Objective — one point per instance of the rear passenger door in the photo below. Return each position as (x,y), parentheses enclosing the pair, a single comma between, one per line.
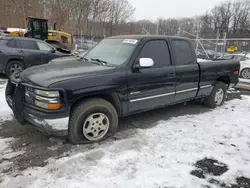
(186,70)
(152,87)
(31,53)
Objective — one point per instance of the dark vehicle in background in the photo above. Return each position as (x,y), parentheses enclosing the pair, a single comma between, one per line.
(84,97)
(18,53)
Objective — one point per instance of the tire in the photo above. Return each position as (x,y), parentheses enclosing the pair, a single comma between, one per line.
(14,66)
(245,73)
(88,117)
(217,97)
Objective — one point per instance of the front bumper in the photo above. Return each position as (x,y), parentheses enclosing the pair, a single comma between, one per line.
(52,123)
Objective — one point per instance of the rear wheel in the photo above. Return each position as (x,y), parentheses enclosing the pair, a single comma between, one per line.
(13,67)
(92,121)
(245,73)
(217,97)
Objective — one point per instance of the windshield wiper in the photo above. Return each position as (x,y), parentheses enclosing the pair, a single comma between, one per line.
(100,61)
(82,58)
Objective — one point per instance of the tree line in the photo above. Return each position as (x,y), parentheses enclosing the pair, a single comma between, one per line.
(87,17)
(112,17)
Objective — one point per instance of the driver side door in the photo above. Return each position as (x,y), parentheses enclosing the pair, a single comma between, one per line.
(153,87)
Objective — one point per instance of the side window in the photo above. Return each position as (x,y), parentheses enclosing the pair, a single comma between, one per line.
(37,25)
(158,51)
(183,52)
(64,39)
(29,44)
(43,47)
(244,59)
(12,44)
(239,58)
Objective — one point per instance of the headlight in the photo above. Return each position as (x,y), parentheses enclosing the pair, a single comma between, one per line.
(49,100)
(47,93)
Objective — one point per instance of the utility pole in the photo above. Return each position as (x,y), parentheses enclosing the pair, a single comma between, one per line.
(217,41)
(225,42)
(179,31)
(197,40)
(157,28)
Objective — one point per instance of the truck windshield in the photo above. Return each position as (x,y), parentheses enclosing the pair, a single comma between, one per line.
(113,51)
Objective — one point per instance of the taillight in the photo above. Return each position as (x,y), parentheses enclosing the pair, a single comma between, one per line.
(236,73)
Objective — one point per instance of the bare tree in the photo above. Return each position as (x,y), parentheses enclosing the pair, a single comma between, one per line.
(120,11)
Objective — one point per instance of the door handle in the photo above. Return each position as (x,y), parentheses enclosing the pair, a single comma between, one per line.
(170,75)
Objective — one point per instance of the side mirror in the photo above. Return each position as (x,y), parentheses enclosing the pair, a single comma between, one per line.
(53,50)
(146,62)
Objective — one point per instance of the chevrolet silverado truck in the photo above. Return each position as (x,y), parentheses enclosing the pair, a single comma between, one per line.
(83,97)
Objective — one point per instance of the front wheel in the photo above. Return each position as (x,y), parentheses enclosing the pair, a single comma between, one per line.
(245,73)
(217,97)
(92,121)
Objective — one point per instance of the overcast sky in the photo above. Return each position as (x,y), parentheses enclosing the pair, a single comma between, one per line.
(153,9)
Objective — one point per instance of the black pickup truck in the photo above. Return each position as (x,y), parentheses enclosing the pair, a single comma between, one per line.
(82,97)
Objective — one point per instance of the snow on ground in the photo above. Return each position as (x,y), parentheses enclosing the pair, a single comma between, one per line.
(201,60)
(162,156)
(5,112)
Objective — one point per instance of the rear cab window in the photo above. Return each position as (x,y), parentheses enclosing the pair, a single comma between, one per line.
(29,44)
(183,52)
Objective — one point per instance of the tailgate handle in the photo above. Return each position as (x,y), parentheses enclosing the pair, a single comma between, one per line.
(21,51)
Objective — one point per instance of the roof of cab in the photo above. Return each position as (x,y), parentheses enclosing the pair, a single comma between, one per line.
(139,37)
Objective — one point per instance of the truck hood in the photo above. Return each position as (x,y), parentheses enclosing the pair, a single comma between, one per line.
(62,69)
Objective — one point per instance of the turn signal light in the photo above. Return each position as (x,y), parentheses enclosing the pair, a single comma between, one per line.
(54,106)
(47,105)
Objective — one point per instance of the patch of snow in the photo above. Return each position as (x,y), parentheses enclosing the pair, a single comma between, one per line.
(5,149)
(5,111)
(162,156)
(233,91)
(4,145)
(202,60)
(12,155)
(5,166)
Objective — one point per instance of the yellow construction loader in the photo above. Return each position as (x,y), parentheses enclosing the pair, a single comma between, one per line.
(38,28)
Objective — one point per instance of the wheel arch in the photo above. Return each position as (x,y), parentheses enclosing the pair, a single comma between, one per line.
(14,59)
(225,78)
(113,98)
